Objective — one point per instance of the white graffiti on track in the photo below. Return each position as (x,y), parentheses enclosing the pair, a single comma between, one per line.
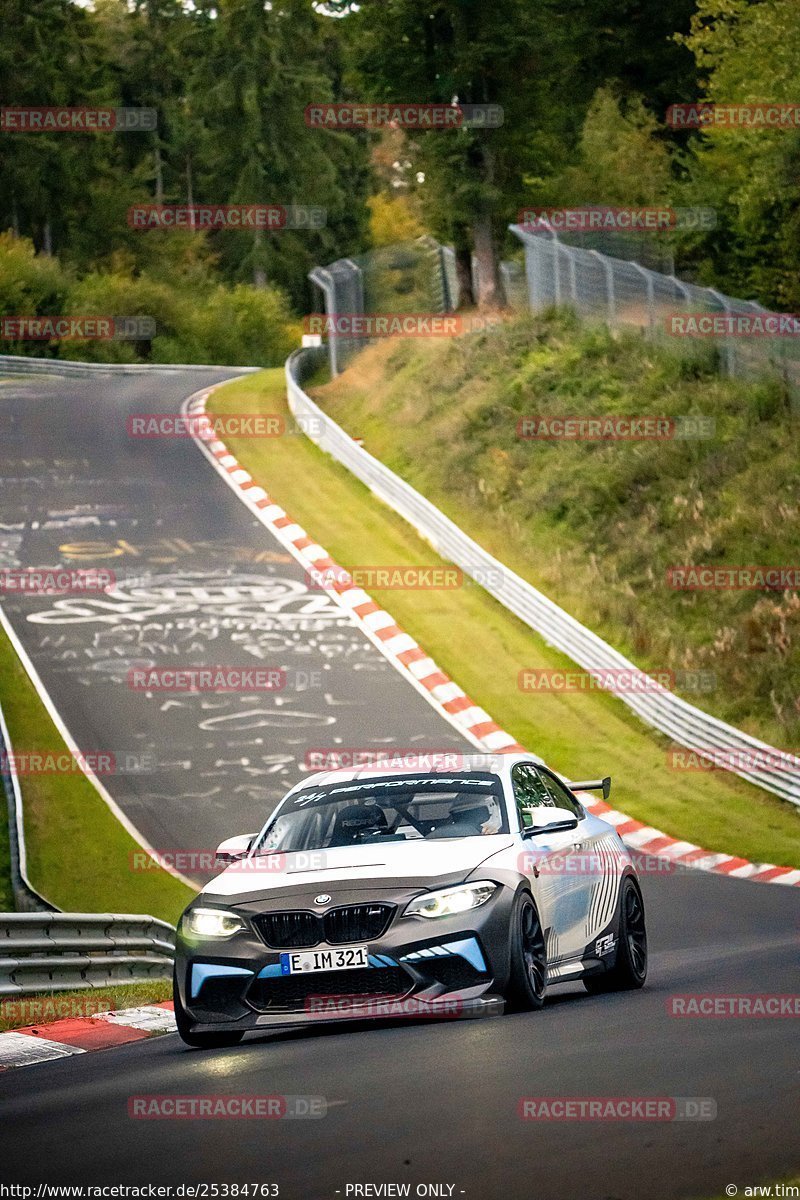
(264,718)
(263,602)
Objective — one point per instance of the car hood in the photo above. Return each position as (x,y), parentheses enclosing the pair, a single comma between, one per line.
(395,861)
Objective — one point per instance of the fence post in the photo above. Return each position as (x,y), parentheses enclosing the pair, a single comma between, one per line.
(359,283)
(729,356)
(651,305)
(322,277)
(608,270)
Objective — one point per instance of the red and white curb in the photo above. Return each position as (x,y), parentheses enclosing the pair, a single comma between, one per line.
(404,652)
(77,1035)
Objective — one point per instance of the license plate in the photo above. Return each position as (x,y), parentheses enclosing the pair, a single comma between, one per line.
(306,961)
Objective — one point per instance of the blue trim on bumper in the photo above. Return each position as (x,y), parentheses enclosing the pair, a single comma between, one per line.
(203,971)
(466,948)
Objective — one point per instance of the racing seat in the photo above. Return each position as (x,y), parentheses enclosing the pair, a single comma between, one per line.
(355,820)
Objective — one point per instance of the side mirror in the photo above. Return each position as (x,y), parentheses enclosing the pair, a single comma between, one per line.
(548,820)
(234,848)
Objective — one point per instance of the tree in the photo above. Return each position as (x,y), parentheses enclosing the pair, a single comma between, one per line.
(438,51)
(263,67)
(749,52)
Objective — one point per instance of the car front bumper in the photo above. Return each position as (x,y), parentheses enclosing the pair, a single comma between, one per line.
(449,967)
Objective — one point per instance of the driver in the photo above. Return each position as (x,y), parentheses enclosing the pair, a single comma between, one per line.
(494,820)
(482,812)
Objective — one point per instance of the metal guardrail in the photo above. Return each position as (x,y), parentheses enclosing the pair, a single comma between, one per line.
(686,725)
(56,952)
(42,949)
(11,364)
(26,897)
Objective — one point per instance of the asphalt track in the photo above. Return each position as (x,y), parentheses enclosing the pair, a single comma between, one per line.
(408,1103)
(199,582)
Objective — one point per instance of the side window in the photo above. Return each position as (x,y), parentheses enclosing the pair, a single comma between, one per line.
(562,797)
(529,791)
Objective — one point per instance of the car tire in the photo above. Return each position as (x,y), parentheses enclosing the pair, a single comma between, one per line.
(630,966)
(528,976)
(201,1041)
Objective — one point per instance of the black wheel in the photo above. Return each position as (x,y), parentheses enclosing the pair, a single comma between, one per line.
(528,979)
(202,1041)
(630,967)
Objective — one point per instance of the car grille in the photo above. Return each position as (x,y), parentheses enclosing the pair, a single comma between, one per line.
(357,922)
(299,930)
(292,992)
(290,930)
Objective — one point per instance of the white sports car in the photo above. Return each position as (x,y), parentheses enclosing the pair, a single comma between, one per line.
(436,892)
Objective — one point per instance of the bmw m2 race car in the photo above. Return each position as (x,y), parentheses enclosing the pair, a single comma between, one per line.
(436,892)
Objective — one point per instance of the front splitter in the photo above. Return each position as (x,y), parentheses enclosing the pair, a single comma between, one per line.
(441,1010)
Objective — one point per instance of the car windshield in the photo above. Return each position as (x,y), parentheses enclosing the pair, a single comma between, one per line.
(367,811)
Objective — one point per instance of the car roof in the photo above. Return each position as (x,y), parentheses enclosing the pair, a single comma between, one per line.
(434,762)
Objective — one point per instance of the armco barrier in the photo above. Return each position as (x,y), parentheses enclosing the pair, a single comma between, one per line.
(11,364)
(56,952)
(685,724)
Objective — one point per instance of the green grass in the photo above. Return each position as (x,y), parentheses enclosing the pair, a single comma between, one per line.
(45,1007)
(483,647)
(78,853)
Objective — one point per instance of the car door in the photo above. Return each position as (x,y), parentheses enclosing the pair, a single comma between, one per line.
(565,877)
(602,860)
(596,857)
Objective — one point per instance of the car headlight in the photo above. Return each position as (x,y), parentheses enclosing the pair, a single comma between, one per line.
(212,923)
(448,901)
